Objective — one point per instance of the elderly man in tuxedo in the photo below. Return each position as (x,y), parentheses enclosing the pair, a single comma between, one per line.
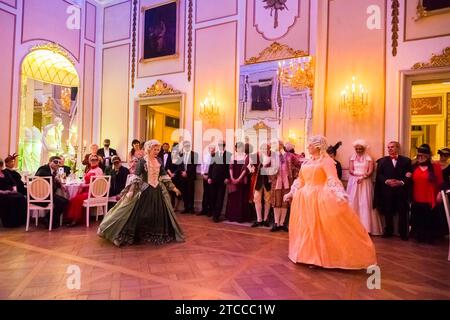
(392,190)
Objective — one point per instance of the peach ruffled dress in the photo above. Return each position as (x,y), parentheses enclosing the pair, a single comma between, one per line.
(323,229)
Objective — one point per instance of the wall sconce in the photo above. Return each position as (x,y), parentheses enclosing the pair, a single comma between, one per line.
(354,99)
(209,109)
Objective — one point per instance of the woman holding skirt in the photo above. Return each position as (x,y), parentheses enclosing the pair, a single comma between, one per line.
(144,213)
(323,229)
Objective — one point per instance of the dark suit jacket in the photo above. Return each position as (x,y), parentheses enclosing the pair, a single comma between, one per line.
(219,168)
(45,171)
(168,165)
(384,195)
(191,166)
(101,152)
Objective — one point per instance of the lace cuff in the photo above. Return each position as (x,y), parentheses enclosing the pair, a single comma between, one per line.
(336,187)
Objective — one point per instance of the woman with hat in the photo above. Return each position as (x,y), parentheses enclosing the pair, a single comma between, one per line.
(426,185)
(10,163)
(332,152)
(444,161)
(75,207)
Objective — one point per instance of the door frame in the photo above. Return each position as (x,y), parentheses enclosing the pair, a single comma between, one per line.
(407,80)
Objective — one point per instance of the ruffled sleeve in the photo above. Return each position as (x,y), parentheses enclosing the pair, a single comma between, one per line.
(333,183)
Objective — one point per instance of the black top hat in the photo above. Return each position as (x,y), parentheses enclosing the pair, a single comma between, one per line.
(424,148)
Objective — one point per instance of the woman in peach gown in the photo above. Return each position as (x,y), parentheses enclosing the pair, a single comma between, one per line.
(323,229)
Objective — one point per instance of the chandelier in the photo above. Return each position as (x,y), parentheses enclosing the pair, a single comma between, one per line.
(354,99)
(297,73)
(209,109)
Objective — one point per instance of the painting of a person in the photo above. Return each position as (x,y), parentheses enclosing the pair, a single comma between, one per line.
(160,31)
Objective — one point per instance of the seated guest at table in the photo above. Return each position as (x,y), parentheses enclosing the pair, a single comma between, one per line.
(135,155)
(59,203)
(75,208)
(67,170)
(119,175)
(94,150)
(10,163)
(13,205)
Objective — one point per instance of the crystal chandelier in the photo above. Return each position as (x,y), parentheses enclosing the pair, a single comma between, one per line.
(354,99)
(209,109)
(297,73)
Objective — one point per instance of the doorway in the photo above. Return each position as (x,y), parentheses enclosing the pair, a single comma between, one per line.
(425,110)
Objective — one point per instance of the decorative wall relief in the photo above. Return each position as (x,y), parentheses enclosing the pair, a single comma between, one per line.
(282,15)
(426,106)
(394,24)
(436,61)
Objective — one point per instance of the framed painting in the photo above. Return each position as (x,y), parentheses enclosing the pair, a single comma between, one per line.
(160,31)
(427,8)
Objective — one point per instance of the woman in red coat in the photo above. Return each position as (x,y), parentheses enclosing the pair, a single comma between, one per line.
(75,207)
(427,182)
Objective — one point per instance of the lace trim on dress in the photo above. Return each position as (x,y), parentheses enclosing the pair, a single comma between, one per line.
(336,187)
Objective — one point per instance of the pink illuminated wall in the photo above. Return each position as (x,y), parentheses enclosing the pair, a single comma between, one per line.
(91,20)
(49,22)
(219,77)
(88,92)
(117,24)
(115,96)
(207,10)
(11,3)
(354,50)
(7,34)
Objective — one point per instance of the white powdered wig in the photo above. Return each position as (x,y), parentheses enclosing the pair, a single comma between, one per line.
(319,142)
(150,144)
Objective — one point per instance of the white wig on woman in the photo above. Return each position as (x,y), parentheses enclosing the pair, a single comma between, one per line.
(360,142)
(319,142)
(150,144)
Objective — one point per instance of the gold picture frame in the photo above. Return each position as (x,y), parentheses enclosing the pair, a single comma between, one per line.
(144,11)
(422,11)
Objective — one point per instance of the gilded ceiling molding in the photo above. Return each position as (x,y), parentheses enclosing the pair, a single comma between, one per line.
(190,15)
(54,47)
(276,51)
(436,61)
(159,88)
(394,25)
(133,47)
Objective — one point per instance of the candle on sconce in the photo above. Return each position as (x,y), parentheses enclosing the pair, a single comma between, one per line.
(84,144)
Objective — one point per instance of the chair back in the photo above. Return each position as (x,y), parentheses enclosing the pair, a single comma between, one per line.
(99,187)
(39,190)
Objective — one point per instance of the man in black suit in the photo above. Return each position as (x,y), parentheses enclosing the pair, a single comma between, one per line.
(106,153)
(218,178)
(187,173)
(119,175)
(392,190)
(59,203)
(166,158)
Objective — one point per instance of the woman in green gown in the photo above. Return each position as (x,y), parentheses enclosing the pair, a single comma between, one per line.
(144,212)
